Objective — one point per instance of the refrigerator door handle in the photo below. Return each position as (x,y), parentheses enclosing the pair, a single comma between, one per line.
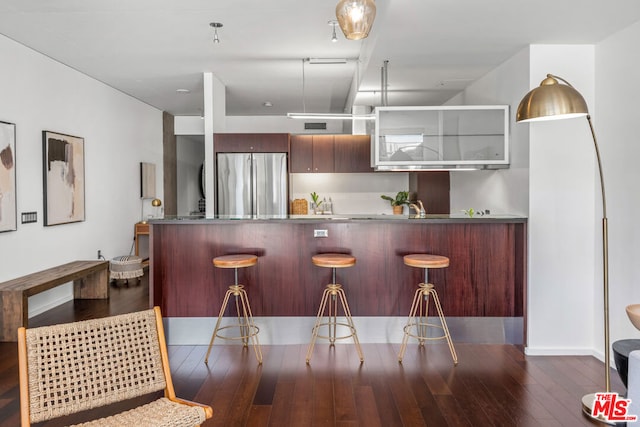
(255,206)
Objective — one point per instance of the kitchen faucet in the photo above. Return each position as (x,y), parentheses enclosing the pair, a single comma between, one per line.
(419,208)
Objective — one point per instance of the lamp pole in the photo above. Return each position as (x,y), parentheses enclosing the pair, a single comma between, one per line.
(552,100)
(605,260)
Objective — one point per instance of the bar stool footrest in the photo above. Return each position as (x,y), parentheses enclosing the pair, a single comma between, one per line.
(418,325)
(330,325)
(253,332)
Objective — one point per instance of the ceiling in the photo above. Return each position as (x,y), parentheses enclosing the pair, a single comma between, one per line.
(151,48)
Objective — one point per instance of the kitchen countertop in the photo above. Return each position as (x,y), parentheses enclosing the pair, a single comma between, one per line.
(433,218)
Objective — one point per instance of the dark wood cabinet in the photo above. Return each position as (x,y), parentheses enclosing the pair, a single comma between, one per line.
(433,189)
(330,153)
(352,153)
(486,277)
(323,155)
(301,153)
(251,142)
(312,153)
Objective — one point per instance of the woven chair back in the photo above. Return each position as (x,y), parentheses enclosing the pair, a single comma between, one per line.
(84,365)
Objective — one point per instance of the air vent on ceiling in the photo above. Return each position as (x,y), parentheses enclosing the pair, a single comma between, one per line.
(316,126)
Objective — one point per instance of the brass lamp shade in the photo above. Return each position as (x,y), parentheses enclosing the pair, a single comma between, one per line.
(156,202)
(551,100)
(355,17)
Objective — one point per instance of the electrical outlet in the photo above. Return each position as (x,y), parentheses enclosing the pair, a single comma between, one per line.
(99,254)
(320,233)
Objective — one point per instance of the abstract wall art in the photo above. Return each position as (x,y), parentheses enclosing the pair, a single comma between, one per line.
(63,172)
(8,209)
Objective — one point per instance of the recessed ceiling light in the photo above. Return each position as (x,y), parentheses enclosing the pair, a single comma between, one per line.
(183,91)
(267,104)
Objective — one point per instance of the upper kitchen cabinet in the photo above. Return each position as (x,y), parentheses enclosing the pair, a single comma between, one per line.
(352,153)
(251,142)
(330,153)
(446,137)
(312,153)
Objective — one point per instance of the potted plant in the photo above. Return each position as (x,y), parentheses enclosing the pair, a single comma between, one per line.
(401,199)
(315,203)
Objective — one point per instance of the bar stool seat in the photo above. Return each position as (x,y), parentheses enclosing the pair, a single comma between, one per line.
(417,325)
(248,329)
(332,293)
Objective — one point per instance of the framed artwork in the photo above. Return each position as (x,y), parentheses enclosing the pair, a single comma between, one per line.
(63,172)
(8,205)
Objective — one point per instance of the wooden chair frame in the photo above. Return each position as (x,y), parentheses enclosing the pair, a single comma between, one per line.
(43,392)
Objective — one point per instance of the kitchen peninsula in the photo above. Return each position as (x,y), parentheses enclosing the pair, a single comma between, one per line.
(486,277)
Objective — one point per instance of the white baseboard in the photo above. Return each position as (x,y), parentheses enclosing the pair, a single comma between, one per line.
(49,299)
(297,330)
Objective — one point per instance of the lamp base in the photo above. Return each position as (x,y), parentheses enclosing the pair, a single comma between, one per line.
(587,409)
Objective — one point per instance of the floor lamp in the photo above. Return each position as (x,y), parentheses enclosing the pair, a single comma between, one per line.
(551,101)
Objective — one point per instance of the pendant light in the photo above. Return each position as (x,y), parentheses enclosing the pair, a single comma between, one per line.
(334,37)
(215,26)
(356,17)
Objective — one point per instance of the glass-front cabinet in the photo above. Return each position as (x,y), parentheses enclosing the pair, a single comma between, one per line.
(445,137)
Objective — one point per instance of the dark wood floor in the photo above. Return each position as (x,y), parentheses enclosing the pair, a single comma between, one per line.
(493,385)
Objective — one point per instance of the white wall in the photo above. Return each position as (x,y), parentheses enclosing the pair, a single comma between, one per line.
(189,158)
(616,118)
(563,222)
(41,94)
(351,193)
(193,125)
(502,191)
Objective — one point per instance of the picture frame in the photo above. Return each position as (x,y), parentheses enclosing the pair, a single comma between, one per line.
(63,178)
(8,196)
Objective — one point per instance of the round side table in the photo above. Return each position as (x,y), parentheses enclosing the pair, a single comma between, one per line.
(621,350)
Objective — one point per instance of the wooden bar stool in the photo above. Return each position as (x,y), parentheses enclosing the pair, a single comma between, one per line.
(248,330)
(332,293)
(420,307)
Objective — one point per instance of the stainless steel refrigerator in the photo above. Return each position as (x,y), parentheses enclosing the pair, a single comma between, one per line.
(252,184)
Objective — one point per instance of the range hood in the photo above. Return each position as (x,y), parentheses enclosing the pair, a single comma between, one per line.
(441,138)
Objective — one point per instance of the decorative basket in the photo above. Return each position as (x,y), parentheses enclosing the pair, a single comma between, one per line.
(299,207)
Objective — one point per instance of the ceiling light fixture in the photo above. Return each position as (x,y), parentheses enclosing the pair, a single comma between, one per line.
(334,37)
(215,26)
(356,17)
(326,61)
(330,116)
(324,116)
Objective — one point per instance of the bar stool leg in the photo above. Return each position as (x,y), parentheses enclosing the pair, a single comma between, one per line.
(415,306)
(347,311)
(248,329)
(330,297)
(215,330)
(418,316)
(447,335)
(251,330)
(316,326)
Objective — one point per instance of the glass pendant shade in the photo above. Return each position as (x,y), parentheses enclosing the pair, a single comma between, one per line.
(550,101)
(355,17)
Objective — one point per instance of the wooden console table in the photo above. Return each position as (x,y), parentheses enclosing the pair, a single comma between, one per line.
(90,281)
(141,229)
